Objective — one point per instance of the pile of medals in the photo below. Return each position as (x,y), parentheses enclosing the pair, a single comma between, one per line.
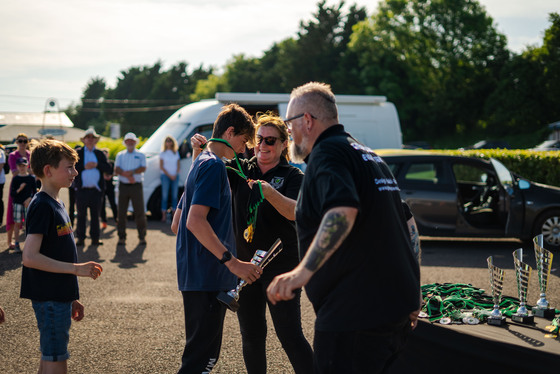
(459,303)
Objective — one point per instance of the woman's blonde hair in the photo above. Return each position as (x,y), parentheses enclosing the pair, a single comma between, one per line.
(268,119)
(175,146)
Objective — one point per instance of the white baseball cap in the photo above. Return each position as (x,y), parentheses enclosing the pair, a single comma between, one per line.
(130,136)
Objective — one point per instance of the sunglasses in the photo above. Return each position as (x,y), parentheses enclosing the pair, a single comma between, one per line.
(269,140)
(22,140)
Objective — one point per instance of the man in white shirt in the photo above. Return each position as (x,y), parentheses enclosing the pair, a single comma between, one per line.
(130,166)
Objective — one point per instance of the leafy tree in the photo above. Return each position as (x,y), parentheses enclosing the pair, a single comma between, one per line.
(88,114)
(525,100)
(436,59)
(142,99)
(319,52)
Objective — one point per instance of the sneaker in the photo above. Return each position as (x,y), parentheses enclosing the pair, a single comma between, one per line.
(17,248)
(97,242)
(122,242)
(142,242)
(11,247)
(103,225)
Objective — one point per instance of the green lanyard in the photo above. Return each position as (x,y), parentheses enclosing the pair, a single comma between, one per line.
(255,199)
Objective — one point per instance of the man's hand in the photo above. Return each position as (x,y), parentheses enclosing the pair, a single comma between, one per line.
(247,271)
(414,318)
(282,286)
(90,165)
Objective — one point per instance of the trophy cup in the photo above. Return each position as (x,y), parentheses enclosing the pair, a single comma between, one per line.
(544,265)
(496,283)
(261,259)
(522,274)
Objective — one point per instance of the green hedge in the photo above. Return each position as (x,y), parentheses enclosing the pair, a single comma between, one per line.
(542,167)
(113,145)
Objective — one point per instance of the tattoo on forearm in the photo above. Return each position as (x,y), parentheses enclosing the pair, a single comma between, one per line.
(332,231)
(415,238)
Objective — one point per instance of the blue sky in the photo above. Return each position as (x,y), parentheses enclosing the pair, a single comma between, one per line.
(53,48)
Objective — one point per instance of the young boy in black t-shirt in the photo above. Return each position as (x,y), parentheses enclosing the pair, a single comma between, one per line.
(50,268)
(22,189)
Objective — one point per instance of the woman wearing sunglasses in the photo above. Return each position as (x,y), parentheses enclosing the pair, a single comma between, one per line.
(22,142)
(275,219)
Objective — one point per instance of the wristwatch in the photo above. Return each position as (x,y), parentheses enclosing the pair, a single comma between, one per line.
(226,257)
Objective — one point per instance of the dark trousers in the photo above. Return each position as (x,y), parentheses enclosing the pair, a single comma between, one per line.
(109,195)
(364,351)
(88,198)
(131,192)
(286,316)
(1,203)
(71,203)
(204,325)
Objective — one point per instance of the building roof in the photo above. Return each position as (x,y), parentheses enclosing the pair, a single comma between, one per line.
(59,119)
(38,125)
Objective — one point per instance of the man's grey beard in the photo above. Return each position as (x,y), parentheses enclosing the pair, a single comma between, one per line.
(297,153)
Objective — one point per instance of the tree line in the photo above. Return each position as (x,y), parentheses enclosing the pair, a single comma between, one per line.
(442,62)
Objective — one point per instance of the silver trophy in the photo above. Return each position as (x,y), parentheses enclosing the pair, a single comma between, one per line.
(260,258)
(544,265)
(522,274)
(496,283)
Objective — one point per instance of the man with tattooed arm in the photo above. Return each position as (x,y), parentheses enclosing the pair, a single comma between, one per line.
(357,264)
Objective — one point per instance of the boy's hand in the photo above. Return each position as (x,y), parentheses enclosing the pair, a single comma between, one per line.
(89,269)
(77,310)
(247,271)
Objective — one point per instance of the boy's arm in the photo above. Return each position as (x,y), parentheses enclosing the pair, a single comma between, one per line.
(32,258)
(176,220)
(198,224)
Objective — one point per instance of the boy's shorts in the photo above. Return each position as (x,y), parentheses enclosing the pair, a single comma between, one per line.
(53,320)
(19,213)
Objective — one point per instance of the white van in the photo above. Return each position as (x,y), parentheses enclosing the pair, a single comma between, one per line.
(370,119)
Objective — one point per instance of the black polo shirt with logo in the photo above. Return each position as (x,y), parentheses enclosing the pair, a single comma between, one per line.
(372,279)
(271,225)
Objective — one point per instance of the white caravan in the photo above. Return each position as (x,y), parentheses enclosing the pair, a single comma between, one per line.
(370,119)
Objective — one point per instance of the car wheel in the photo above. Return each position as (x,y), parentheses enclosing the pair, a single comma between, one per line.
(548,224)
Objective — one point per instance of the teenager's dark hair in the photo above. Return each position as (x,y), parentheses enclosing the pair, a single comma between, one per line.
(50,152)
(234,115)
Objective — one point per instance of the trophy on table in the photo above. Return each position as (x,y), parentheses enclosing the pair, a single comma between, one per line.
(544,265)
(496,283)
(260,258)
(522,274)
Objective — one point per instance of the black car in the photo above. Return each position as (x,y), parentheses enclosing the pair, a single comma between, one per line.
(469,197)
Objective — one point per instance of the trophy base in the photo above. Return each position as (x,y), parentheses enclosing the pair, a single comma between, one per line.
(497,321)
(547,313)
(228,301)
(525,319)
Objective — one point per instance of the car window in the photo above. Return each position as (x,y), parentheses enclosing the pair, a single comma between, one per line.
(424,172)
(394,168)
(504,174)
(185,147)
(469,174)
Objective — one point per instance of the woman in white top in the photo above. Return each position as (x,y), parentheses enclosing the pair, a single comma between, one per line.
(169,166)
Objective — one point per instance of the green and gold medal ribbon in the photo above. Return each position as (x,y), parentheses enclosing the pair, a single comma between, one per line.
(255,198)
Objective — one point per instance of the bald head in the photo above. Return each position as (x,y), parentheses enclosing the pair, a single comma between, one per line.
(318,99)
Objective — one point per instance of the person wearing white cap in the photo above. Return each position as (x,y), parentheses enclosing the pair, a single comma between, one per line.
(90,187)
(130,166)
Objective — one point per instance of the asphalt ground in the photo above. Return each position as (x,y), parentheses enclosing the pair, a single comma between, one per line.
(134,315)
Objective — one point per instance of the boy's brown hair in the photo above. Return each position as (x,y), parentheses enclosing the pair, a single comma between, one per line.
(234,115)
(50,152)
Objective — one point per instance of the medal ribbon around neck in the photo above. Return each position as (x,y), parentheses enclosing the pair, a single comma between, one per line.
(256,196)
